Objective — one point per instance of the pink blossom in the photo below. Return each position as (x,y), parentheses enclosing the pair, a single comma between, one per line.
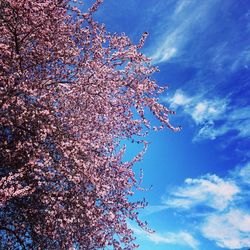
(68,95)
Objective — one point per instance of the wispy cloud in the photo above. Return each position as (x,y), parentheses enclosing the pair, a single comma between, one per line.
(209,190)
(201,110)
(192,25)
(244,173)
(230,229)
(153,209)
(227,222)
(174,238)
(214,117)
(190,37)
(187,16)
(236,119)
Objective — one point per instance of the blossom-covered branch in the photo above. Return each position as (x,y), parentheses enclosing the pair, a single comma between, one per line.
(70,92)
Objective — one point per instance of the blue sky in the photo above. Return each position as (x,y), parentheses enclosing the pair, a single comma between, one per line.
(201,176)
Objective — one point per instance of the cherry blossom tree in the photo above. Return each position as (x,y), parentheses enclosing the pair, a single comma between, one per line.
(70,94)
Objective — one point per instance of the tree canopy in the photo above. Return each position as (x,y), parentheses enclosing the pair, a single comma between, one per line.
(70,93)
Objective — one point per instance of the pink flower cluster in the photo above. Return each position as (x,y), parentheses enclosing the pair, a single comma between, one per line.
(70,93)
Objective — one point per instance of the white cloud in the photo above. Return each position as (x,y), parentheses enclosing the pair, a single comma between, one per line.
(174,39)
(228,222)
(230,230)
(187,27)
(179,99)
(167,49)
(166,52)
(153,209)
(214,117)
(242,173)
(180,6)
(230,122)
(178,238)
(207,110)
(209,190)
(245,173)
(202,110)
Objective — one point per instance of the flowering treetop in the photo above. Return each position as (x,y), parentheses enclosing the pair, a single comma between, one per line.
(70,92)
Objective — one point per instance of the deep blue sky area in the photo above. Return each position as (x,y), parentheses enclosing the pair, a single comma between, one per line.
(201,176)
